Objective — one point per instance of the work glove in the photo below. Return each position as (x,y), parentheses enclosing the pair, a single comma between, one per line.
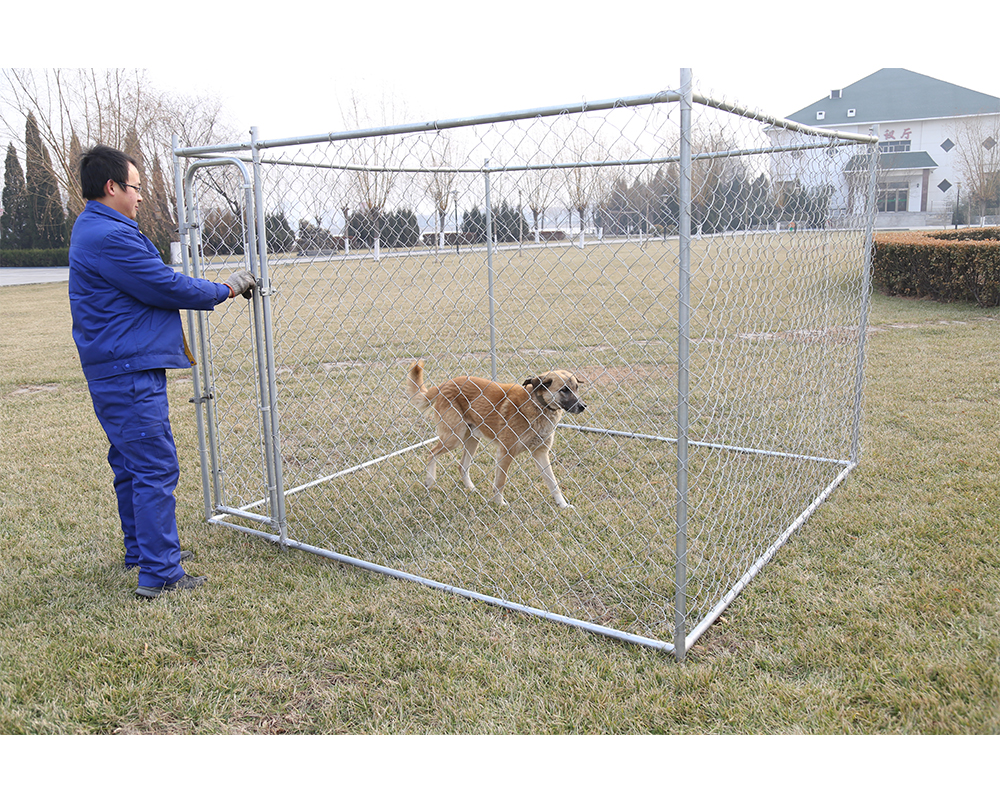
(241,282)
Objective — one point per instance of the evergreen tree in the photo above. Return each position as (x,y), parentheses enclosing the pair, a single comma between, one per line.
(315,237)
(474,226)
(280,236)
(46,218)
(509,224)
(14,220)
(364,227)
(154,217)
(161,228)
(75,202)
(401,229)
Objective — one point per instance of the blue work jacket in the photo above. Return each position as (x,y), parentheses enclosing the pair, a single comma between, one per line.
(125,300)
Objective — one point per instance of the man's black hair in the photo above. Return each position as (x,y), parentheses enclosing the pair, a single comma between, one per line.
(101,164)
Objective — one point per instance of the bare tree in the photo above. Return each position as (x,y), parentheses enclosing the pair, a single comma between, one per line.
(710,176)
(78,108)
(441,181)
(538,194)
(373,156)
(584,183)
(977,159)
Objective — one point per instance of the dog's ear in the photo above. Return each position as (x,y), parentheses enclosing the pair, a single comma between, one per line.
(538,383)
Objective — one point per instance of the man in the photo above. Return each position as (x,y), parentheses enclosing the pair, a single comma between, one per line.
(125,304)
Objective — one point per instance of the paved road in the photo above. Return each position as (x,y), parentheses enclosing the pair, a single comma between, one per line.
(14,276)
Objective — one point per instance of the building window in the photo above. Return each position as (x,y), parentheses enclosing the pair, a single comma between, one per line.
(892,197)
(894,146)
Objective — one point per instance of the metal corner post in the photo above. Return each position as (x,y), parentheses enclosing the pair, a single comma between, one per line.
(489,270)
(683,367)
(268,380)
(866,290)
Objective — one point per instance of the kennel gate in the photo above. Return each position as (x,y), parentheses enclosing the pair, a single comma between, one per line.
(715,300)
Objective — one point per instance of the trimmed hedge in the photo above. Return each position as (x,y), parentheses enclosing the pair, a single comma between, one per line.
(59,257)
(961,265)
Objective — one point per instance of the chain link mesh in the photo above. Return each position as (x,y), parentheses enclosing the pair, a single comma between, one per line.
(377,255)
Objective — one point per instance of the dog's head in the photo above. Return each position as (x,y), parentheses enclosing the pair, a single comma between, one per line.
(557,389)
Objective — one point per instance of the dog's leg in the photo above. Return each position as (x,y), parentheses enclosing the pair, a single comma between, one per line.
(504,460)
(469,445)
(542,458)
(447,440)
(432,466)
(451,436)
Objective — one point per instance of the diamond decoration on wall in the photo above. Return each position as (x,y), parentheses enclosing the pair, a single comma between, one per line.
(944,186)
(947,144)
(990,143)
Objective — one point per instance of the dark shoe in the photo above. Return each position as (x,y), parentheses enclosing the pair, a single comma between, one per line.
(185,555)
(185,582)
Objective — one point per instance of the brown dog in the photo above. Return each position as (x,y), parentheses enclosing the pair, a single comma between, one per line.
(516,418)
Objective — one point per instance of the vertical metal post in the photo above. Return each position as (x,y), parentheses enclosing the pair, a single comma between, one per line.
(489,270)
(866,288)
(683,367)
(268,374)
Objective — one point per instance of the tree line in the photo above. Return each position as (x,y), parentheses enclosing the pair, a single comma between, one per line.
(41,199)
(33,215)
(36,216)
(648,207)
(53,115)
(735,203)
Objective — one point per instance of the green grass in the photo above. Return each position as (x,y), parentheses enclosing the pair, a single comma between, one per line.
(769,328)
(879,616)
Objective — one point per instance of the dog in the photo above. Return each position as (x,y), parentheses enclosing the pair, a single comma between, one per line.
(516,418)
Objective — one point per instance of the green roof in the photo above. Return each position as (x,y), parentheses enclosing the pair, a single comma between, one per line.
(915,160)
(918,159)
(896,94)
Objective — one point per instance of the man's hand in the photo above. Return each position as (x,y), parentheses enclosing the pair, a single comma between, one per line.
(241,282)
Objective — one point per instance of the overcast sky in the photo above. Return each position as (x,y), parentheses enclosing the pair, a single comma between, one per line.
(283,65)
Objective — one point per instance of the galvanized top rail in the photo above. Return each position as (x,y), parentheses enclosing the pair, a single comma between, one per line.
(777,122)
(667,96)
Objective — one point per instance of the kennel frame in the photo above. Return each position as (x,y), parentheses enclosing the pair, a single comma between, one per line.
(272,525)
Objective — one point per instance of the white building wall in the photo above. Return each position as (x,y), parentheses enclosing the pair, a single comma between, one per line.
(924,136)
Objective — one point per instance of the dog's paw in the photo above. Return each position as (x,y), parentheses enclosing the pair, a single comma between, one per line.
(566,505)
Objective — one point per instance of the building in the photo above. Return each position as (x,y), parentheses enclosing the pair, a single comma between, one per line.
(928,132)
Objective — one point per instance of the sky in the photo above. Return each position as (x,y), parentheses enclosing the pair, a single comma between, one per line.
(286,67)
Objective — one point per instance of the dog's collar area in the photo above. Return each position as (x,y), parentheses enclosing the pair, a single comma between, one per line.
(546,406)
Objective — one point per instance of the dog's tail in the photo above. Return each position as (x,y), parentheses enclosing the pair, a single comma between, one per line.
(415,389)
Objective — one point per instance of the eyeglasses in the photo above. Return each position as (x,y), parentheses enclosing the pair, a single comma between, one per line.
(138,189)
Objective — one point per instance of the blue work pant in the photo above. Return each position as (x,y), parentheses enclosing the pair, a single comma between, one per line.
(133,410)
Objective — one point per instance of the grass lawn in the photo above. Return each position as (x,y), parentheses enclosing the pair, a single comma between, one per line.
(879,616)
(772,363)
